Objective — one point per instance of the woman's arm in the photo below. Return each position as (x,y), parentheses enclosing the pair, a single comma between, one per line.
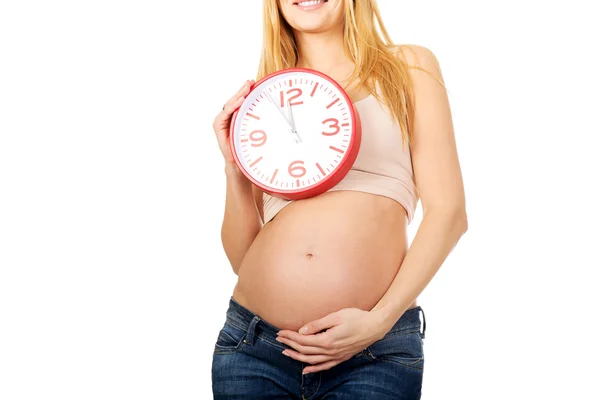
(439,184)
(243,215)
(243,201)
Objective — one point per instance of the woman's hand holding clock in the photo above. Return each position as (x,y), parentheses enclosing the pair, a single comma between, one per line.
(222,121)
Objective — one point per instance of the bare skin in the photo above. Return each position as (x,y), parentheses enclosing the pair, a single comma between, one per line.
(319,255)
(337,264)
(341,249)
(337,250)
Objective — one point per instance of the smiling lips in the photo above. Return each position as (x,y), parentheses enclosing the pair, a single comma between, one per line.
(309,4)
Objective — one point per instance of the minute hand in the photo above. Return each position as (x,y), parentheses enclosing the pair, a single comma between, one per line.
(277,107)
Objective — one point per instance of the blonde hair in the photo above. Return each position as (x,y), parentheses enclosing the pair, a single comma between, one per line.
(366,42)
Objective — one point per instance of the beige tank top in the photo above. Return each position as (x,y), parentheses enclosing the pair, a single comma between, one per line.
(382,166)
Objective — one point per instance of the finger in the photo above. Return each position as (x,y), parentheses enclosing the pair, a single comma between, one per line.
(231,106)
(322,340)
(304,349)
(318,325)
(221,121)
(323,366)
(309,359)
(236,100)
(243,91)
(245,87)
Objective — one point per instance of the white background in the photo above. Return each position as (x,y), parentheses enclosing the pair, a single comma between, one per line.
(113,281)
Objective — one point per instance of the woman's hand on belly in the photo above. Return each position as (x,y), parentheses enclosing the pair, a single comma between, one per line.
(347,332)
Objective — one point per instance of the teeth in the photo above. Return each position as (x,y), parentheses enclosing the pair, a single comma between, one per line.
(310,3)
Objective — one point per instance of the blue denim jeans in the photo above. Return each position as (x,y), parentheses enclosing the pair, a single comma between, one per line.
(248,364)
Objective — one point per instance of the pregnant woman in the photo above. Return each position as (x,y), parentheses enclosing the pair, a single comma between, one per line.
(325,305)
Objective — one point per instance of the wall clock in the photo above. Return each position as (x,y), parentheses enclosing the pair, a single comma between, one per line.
(296,135)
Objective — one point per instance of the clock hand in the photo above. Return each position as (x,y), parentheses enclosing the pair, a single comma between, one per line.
(294,131)
(277,106)
(289,108)
(295,135)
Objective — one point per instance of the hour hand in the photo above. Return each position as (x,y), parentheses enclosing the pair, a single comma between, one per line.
(291,114)
(292,123)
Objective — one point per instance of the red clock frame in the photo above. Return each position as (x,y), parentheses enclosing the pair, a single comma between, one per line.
(329,181)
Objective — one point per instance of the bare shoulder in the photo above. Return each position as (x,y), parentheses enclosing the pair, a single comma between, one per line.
(419,59)
(415,54)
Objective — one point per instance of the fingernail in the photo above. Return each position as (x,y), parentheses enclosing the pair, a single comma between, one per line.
(285,353)
(277,338)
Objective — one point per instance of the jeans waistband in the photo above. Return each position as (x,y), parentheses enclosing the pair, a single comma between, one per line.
(249,321)
(245,318)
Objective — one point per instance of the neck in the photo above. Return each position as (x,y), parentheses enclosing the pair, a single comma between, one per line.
(324,52)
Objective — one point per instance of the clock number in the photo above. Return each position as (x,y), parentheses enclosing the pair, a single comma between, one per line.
(335,124)
(292,103)
(258,137)
(297,171)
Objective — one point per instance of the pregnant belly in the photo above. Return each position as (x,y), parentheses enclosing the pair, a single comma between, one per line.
(341,249)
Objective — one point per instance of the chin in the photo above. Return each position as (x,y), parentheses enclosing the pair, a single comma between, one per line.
(312,15)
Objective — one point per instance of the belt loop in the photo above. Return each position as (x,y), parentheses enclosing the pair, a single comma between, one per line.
(250,335)
(424,322)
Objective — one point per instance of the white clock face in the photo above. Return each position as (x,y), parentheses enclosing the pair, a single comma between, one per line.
(293,131)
